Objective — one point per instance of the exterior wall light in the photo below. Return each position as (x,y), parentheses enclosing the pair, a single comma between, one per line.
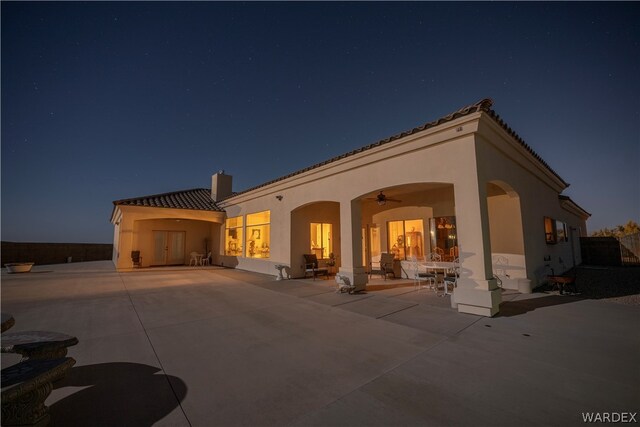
(279,197)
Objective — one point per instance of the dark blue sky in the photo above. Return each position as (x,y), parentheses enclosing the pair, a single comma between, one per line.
(103,101)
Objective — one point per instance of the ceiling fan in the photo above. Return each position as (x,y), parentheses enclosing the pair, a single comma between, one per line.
(381,199)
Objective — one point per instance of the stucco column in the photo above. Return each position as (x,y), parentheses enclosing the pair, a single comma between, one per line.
(125,244)
(477,291)
(352,265)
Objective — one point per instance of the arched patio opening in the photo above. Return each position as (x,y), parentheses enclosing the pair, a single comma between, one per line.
(411,220)
(315,229)
(506,236)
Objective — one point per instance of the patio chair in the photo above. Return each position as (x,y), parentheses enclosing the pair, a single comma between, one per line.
(384,267)
(418,276)
(311,266)
(451,276)
(434,256)
(136,259)
(194,258)
(206,260)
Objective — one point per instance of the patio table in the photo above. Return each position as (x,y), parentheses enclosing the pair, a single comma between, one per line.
(440,267)
(37,344)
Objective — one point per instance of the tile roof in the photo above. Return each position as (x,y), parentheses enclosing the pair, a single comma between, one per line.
(195,199)
(483,105)
(569,200)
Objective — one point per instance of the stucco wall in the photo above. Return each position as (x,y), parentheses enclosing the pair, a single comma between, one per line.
(505,224)
(538,194)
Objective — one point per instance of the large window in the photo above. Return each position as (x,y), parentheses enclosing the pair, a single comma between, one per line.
(233,236)
(258,234)
(406,238)
(444,238)
(321,240)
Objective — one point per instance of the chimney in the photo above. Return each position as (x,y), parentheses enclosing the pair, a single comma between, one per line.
(220,186)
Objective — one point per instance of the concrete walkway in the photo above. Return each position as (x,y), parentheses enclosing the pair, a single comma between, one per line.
(217,347)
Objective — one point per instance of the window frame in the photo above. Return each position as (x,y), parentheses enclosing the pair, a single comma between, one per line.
(328,250)
(258,233)
(227,230)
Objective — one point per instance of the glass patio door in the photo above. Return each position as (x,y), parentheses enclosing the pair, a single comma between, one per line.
(168,247)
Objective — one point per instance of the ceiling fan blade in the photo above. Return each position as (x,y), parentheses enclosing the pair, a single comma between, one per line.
(382,199)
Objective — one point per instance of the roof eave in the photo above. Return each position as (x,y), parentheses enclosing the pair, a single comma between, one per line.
(569,204)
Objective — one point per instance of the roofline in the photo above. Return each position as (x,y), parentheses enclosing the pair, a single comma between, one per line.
(122,201)
(568,199)
(113,219)
(483,105)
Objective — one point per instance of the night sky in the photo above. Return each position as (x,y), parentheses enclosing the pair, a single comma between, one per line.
(104,101)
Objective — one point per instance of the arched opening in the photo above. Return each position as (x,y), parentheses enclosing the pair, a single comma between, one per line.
(315,229)
(506,236)
(406,222)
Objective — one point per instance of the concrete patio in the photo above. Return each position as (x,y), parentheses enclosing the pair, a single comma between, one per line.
(219,347)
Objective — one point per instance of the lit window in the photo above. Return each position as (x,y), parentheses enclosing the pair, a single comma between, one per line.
(374,241)
(549,232)
(406,238)
(555,231)
(233,236)
(321,240)
(258,234)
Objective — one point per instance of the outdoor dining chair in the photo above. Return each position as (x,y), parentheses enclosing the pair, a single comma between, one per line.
(451,276)
(418,276)
(194,258)
(311,266)
(384,267)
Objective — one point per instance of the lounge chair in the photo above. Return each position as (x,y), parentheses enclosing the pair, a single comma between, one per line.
(384,267)
(311,266)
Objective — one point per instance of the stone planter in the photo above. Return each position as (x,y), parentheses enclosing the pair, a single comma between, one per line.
(19,267)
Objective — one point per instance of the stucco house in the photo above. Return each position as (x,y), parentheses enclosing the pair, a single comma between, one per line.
(465,185)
